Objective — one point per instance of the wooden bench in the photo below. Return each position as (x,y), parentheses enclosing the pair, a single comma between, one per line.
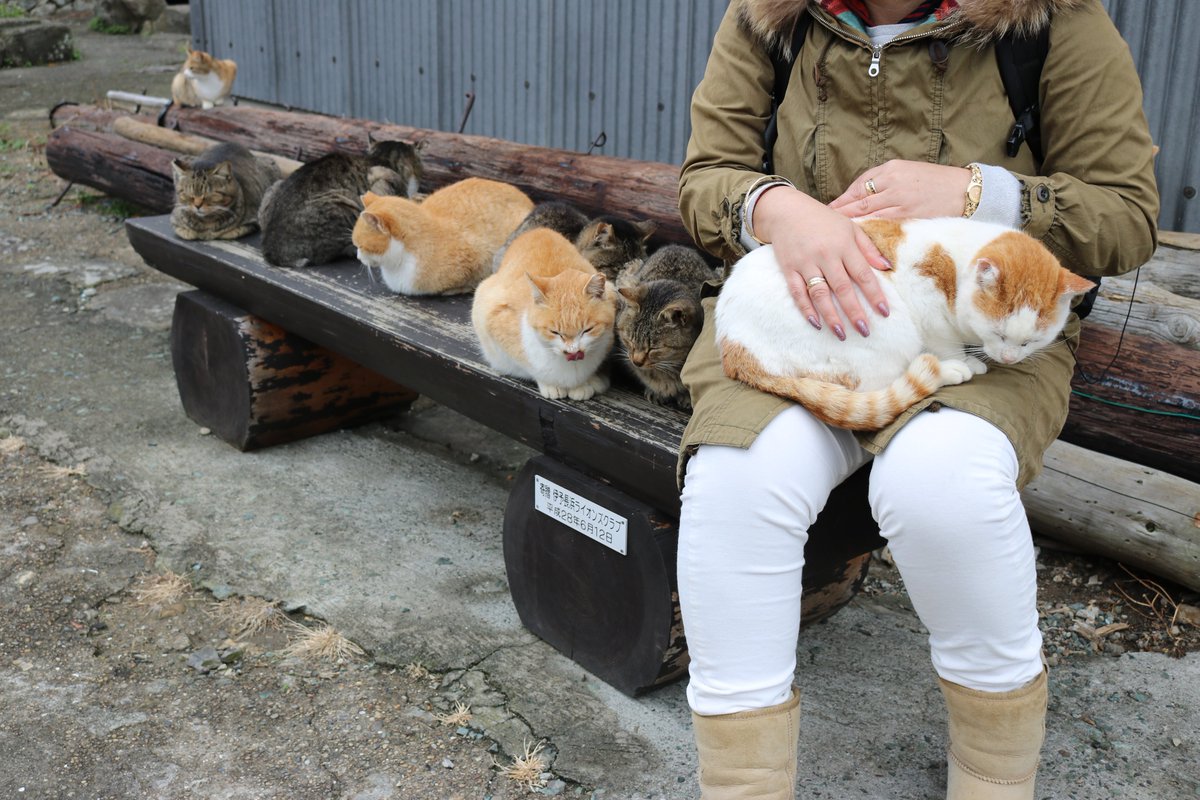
(264,355)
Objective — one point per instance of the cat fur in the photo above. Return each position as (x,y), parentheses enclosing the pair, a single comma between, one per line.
(203,80)
(217,193)
(958,289)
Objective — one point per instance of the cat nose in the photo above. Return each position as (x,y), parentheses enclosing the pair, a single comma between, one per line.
(637,358)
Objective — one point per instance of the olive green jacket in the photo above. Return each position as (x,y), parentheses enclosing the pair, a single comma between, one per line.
(1093,201)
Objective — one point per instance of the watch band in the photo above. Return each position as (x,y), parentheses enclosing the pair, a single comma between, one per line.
(974,190)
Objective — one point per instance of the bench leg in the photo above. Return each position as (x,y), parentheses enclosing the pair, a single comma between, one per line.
(255,385)
(616,613)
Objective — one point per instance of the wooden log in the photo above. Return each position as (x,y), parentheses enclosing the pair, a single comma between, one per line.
(113,164)
(595,183)
(255,385)
(591,571)
(147,133)
(1118,509)
(1144,406)
(1150,311)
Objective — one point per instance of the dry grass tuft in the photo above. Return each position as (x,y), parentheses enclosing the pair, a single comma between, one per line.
(11,444)
(59,472)
(416,671)
(160,591)
(321,643)
(460,716)
(248,615)
(526,770)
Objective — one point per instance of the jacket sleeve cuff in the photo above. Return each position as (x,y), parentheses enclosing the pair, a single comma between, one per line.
(737,230)
(1001,199)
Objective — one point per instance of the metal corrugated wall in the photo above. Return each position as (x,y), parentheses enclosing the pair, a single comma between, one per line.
(561,73)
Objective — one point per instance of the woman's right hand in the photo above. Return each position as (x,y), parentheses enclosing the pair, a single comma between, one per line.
(824,256)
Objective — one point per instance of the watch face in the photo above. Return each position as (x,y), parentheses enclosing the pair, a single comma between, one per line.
(974,193)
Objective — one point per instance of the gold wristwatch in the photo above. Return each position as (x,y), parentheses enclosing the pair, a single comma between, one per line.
(974,190)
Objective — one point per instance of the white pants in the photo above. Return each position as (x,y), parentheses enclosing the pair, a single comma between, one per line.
(944,494)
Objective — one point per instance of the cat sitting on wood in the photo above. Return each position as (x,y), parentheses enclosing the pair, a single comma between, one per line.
(547,316)
(959,289)
(204,80)
(308,218)
(217,193)
(659,319)
(444,244)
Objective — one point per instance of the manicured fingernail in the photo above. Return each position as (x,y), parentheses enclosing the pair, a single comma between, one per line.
(883,309)
(862,328)
(838,332)
(816,323)
(887,263)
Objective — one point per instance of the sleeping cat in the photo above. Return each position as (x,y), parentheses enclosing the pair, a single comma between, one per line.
(608,243)
(957,288)
(203,81)
(307,218)
(218,192)
(444,244)
(546,315)
(659,319)
(557,216)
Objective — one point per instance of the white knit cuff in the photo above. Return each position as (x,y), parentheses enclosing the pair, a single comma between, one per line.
(1000,201)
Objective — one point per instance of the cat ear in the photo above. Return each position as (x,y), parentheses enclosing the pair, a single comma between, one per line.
(646,228)
(370,139)
(539,293)
(595,287)
(224,170)
(603,233)
(368,198)
(1073,285)
(374,221)
(677,314)
(632,296)
(420,146)
(987,274)
(180,169)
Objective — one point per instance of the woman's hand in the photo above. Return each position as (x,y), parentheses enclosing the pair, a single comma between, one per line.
(824,256)
(906,189)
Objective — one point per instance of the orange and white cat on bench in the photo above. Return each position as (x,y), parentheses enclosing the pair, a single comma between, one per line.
(958,289)
(203,81)
(547,315)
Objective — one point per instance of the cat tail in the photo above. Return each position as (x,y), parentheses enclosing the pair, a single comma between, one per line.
(836,404)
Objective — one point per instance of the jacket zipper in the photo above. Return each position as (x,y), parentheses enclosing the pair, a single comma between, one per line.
(876,49)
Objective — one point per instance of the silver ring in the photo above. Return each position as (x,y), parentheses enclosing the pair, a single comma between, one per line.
(815,280)
(870,184)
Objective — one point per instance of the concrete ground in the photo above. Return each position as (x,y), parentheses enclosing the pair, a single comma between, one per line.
(391,535)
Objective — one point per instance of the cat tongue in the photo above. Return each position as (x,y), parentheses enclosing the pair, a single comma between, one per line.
(576,356)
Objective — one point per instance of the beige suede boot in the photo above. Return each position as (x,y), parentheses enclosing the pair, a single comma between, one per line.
(750,754)
(995,741)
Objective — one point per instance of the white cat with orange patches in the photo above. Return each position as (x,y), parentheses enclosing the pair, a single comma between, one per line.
(958,289)
(444,244)
(547,315)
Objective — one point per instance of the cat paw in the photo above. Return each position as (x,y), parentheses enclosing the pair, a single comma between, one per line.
(978,367)
(552,392)
(952,371)
(582,392)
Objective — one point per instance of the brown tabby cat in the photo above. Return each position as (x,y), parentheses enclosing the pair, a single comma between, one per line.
(546,315)
(443,245)
(608,243)
(217,194)
(659,319)
(958,289)
(204,80)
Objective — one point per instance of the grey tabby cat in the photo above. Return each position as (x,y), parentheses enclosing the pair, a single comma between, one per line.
(561,217)
(609,243)
(307,218)
(660,317)
(217,193)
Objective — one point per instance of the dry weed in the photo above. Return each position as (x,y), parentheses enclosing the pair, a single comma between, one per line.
(460,716)
(416,671)
(160,591)
(321,643)
(58,472)
(247,616)
(11,444)
(527,769)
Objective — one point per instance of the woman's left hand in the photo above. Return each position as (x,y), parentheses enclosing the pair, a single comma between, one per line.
(906,189)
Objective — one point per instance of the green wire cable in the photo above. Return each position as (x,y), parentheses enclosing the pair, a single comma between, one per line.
(1182,414)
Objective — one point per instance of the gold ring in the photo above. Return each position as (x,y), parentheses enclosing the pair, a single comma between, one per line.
(870,184)
(815,280)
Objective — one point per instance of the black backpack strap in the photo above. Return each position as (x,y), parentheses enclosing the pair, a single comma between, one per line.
(783,73)
(1021,59)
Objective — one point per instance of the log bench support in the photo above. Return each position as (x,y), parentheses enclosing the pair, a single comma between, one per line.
(253,384)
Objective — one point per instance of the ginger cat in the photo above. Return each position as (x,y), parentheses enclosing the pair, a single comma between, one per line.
(204,81)
(958,289)
(547,315)
(443,245)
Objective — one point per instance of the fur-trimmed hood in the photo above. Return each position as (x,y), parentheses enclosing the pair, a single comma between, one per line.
(977,21)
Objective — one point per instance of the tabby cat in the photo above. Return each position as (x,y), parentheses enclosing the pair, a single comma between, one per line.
(959,289)
(444,244)
(218,192)
(659,319)
(547,315)
(608,243)
(204,80)
(561,217)
(307,219)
